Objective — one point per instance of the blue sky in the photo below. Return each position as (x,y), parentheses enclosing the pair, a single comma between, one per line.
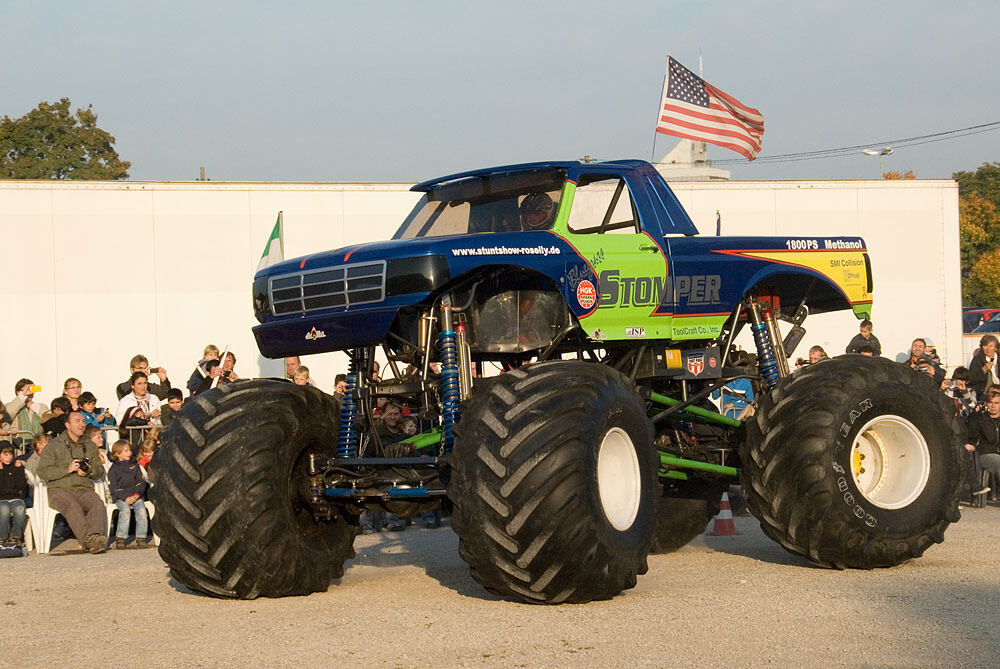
(402,91)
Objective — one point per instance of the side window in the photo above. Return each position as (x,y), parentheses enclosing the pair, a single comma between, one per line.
(603,205)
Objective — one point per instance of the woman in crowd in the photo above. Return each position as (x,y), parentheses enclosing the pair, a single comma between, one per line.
(139,397)
(72,389)
(983,368)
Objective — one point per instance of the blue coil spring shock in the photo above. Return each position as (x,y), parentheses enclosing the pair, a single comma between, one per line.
(347,442)
(450,394)
(765,355)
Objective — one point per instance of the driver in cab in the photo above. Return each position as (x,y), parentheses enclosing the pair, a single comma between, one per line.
(537,212)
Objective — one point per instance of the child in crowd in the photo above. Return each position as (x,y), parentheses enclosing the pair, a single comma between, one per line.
(54,421)
(816,354)
(13,492)
(91,415)
(134,417)
(175,400)
(147,449)
(300,376)
(128,490)
(94,435)
(211,352)
(409,425)
(865,338)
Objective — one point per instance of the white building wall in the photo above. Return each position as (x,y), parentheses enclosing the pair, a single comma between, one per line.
(94,272)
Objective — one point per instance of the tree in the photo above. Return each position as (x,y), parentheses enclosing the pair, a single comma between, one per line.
(985,181)
(979,246)
(898,176)
(50,142)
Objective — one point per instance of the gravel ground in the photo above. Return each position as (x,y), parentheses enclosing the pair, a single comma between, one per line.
(407,600)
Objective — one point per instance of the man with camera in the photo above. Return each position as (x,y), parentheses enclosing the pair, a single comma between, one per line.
(925,363)
(140,363)
(70,465)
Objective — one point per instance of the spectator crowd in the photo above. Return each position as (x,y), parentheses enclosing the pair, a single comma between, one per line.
(974,390)
(65,445)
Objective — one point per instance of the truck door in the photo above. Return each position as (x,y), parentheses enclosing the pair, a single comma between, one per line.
(631,270)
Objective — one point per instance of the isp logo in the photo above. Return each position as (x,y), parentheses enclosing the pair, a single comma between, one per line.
(586,294)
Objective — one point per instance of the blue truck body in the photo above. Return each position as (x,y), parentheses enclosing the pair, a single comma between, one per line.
(351,297)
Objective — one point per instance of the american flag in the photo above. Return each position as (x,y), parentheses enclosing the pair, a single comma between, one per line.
(695,109)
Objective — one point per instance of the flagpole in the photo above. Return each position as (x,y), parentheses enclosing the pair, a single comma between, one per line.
(222,361)
(281,232)
(659,108)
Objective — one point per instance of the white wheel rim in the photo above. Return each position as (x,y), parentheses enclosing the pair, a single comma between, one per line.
(618,480)
(890,462)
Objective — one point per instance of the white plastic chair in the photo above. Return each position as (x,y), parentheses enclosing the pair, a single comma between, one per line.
(29,543)
(34,515)
(45,515)
(150,508)
(104,492)
(40,515)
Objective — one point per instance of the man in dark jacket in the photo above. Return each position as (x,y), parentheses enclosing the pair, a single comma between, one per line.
(984,438)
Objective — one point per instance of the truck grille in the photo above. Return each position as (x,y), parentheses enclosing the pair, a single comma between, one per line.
(343,286)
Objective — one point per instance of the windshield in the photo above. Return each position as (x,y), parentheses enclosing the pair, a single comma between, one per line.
(490,203)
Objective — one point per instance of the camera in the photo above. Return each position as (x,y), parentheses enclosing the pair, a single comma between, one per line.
(154,370)
(84,465)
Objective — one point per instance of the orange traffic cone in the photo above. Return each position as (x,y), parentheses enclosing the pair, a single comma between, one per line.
(724,526)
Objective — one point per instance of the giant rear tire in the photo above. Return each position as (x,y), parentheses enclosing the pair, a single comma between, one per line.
(231,492)
(554,483)
(854,462)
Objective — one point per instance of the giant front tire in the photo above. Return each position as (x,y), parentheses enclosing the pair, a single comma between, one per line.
(232,489)
(554,483)
(854,462)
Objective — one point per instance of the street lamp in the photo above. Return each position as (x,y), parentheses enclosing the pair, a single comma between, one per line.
(884,151)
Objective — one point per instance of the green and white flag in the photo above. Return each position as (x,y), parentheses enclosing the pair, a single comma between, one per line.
(274,250)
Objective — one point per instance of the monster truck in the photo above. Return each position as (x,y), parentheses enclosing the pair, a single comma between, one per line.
(558,329)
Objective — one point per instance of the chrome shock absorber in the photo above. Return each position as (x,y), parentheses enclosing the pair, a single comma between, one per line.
(349,437)
(769,369)
(450,392)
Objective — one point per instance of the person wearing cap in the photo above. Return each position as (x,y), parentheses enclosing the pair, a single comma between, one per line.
(537,211)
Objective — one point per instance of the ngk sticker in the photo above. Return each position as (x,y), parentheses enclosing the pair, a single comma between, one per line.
(586,294)
(696,363)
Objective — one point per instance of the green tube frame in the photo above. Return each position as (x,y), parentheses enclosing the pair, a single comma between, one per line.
(696,412)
